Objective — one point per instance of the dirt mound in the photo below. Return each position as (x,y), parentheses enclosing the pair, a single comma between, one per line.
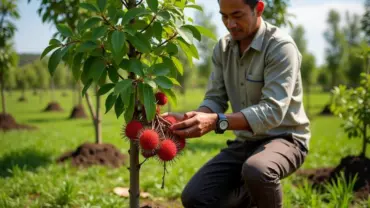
(350,165)
(78,112)
(7,123)
(22,99)
(64,94)
(94,154)
(53,106)
(326,111)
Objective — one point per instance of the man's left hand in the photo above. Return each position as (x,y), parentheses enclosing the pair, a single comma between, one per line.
(195,124)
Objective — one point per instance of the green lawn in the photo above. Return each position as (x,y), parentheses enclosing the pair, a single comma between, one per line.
(29,177)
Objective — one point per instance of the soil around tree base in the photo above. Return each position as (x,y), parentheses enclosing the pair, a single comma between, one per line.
(89,154)
(350,165)
(7,123)
(78,112)
(53,106)
(326,111)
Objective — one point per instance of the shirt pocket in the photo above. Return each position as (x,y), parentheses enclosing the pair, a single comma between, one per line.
(254,85)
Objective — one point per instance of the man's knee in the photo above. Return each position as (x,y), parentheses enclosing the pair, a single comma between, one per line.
(255,171)
(189,197)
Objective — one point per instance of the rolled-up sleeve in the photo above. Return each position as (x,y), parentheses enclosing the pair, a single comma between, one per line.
(216,96)
(280,76)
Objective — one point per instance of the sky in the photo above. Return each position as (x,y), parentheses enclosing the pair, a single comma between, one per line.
(33,36)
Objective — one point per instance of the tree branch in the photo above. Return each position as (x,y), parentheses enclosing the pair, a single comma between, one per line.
(169,39)
(150,23)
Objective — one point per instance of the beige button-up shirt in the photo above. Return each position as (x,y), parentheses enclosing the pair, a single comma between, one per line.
(264,83)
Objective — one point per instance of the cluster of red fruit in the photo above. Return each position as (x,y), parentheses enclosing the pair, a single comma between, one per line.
(157,141)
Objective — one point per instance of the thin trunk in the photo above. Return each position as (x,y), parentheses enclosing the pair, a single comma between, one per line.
(2,94)
(73,89)
(134,149)
(52,86)
(98,127)
(91,109)
(78,93)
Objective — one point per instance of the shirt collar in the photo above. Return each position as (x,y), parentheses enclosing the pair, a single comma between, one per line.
(257,40)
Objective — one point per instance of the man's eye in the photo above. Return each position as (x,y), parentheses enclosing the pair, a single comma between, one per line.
(238,17)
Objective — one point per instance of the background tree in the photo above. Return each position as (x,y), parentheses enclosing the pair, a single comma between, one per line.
(8,13)
(43,76)
(276,12)
(308,63)
(365,21)
(335,52)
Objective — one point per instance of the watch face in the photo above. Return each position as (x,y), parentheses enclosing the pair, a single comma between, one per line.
(224,125)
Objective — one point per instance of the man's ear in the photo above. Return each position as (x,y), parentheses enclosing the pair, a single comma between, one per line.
(259,8)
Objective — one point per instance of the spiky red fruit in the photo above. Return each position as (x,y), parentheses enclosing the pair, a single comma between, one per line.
(167,151)
(161,98)
(149,139)
(171,119)
(132,129)
(181,143)
(148,153)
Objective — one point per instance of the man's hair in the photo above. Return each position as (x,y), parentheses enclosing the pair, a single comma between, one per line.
(251,3)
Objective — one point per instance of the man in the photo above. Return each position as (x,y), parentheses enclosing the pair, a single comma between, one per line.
(257,69)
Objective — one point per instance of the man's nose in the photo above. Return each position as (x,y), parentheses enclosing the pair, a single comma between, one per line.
(231,23)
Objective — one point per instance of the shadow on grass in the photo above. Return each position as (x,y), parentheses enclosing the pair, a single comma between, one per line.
(26,159)
(207,146)
(46,120)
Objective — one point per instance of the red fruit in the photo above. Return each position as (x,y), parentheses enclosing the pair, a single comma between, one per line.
(171,119)
(161,98)
(147,153)
(149,139)
(132,129)
(181,143)
(167,151)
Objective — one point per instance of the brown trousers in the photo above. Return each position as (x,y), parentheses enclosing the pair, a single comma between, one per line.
(245,174)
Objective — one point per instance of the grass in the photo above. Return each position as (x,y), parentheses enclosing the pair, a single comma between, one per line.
(29,177)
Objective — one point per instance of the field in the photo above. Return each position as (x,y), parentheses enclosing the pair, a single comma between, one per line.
(29,176)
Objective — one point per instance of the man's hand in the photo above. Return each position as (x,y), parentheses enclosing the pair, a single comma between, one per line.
(178,116)
(195,124)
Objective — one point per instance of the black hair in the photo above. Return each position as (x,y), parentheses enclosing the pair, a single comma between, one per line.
(251,3)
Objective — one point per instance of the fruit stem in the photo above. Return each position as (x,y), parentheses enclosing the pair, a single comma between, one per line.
(164,174)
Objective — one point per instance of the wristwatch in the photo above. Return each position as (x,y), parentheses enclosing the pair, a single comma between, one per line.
(222,124)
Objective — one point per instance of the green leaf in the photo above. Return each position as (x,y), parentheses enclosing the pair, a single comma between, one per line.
(89,7)
(119,107)
(113,74)
(149,101)
(54,61)
(140,92)
(54,42)
(118,41)
(157,28)
(136,66)
(86,69)
(64,30)
(76,67)
(140,43)
(47,50)
(99,32)
(129,112)
(126,95)
(178,65)
(164,16)
(132,13)
(194,31)
(172,49)
(91,23)
(159,69)
(86,87)
(163,82)
(122,86)
(150,83)
(97,68)
(174,81)
(109,102)
(206,32)
(87,46)
(153,5)
(194,51)
(186,34)
(194,6)
(105,88)
(169,63)
(102,4)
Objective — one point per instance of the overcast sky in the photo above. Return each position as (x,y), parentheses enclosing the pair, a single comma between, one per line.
(33,36)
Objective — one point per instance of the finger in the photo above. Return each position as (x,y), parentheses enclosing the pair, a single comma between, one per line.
(184,124)
(190,132)
(189,115)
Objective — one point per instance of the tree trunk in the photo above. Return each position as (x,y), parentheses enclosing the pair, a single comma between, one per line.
(2,94)
(98,127)
(52,87)
(78,93)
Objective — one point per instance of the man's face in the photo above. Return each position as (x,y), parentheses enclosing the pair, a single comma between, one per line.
(238,18)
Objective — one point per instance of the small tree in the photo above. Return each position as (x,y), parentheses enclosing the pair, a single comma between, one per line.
(353,105)
(135,47)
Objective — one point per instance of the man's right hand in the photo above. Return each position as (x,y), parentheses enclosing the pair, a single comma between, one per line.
(178,116)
